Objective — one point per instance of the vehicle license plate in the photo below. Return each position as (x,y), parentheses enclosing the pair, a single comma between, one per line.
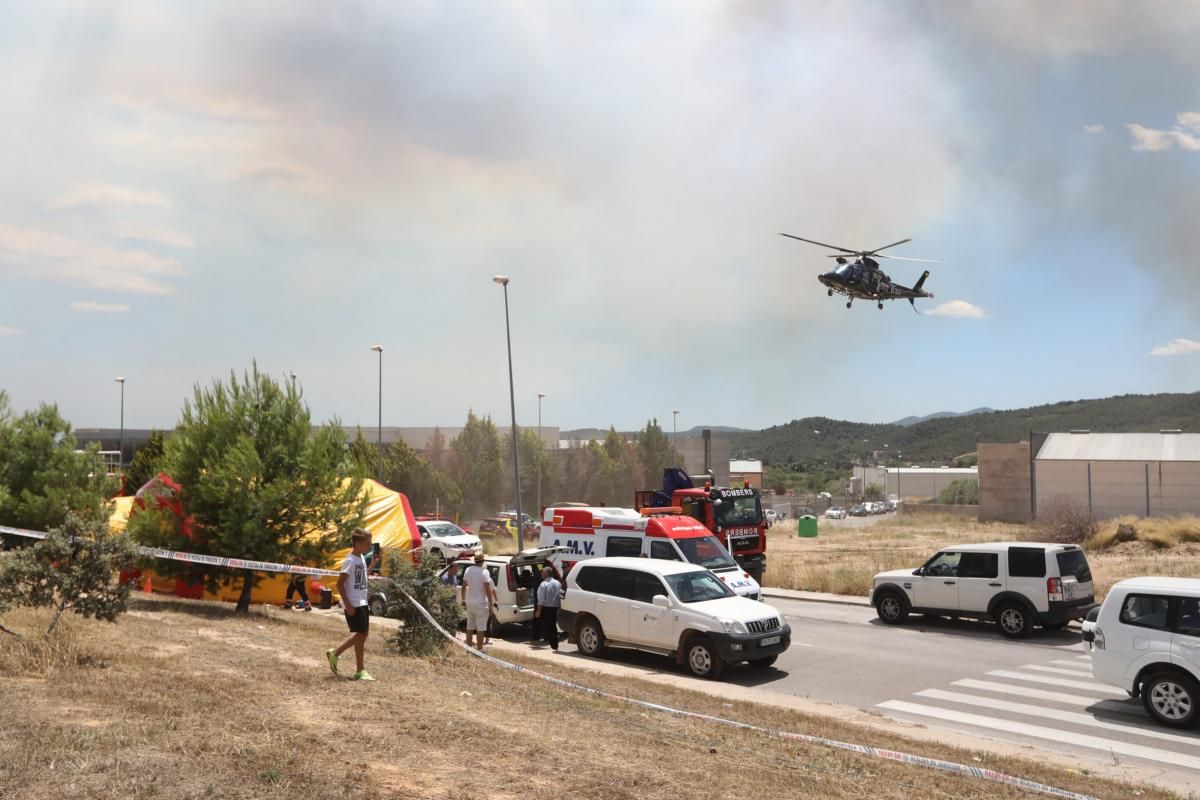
(770,640)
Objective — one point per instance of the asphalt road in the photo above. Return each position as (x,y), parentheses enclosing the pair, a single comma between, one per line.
(962,676)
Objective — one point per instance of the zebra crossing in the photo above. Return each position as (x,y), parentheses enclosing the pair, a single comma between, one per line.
(1056,702)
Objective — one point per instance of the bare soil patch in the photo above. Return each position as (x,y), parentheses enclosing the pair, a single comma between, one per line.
(159,707)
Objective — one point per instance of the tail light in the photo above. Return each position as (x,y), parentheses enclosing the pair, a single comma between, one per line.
(508,573)
(1054,590)
(1098,641)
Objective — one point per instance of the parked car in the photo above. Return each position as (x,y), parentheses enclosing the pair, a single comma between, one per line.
(529,522)
(835,512)
(770,516)
(1145,639)
(1017,584)
(858,510)
(445,541)
(516,578)
(668,607)
(498,526)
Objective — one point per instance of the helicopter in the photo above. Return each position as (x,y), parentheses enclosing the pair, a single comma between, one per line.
(862,279)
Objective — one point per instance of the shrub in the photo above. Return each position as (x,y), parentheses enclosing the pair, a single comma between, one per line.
(960,493)
(1067,522)
(416,637)
(73,569)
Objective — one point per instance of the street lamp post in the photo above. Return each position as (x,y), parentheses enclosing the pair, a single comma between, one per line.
(293,376)
(378,348)
(121,439)
(512,400)
(542,445)
(674,428)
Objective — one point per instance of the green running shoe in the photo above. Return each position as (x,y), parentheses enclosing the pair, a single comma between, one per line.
(332,658)
(363,675)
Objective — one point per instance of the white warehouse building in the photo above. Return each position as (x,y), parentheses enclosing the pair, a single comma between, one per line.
(913,482)
(1113,474)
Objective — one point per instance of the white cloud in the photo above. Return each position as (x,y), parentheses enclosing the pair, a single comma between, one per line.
(48,255)
(1184,135)
(1097,128)
(956,308)
(109,195)
(99,308)
(7,331)
(142,232)
(1176,347)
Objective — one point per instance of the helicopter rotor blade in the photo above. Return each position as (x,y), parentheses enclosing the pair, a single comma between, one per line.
(906,258)
(886,246)
(822,244)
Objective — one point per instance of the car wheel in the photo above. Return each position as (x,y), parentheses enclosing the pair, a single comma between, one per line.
(1014,621)
(590,639)
(763,663)
(1055,626)
(702,658)
(378,606)
(1171,699)
(892,608)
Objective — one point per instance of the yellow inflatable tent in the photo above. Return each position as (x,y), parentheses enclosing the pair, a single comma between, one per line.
(388,517)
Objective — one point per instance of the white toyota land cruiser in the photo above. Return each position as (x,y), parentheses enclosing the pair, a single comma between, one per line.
(668,607)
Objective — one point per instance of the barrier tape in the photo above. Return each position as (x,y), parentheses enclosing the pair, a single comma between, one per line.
(200,558)
(862,749)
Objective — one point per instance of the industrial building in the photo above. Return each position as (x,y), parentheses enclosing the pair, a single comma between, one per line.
(747,471)
(910,482)
(1107,474)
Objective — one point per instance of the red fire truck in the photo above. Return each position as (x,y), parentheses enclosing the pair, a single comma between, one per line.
(734,515)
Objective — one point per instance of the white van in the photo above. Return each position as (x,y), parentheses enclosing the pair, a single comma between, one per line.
(1018,584)
(516,578)
(594,532)
(668,607)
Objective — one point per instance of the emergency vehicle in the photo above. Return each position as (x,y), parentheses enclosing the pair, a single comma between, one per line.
(593,532)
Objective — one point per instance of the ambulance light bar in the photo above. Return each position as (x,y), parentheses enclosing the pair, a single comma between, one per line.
(650,512)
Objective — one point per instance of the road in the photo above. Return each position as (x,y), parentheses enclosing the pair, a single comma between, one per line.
(963,677)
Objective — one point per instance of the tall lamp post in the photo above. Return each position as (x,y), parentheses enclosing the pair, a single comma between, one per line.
(293,376)
(121,438)
(674,416)
(378,348)
(512,400)
(542,445)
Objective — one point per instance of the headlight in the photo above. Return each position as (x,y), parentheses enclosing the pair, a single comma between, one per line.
(731,625)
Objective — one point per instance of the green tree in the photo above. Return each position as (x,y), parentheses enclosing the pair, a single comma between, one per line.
(437,450)
(655,453)
(43,477)
(404,470)
(476,466)
(874,491)
(531,455)
(416,637)
(963,492)
(147,462)
(75,568)
(618,469)
(259,483)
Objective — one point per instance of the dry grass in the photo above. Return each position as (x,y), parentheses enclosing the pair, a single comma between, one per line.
(183,700)
(843,559)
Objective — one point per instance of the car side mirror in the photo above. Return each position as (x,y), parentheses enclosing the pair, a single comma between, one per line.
(661,600)
(919,571)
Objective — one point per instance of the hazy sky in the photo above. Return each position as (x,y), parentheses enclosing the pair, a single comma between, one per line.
(191,186)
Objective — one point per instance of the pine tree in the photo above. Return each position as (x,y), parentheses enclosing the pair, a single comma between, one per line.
(656,453)
(256,479)
(147,462)
(476,464)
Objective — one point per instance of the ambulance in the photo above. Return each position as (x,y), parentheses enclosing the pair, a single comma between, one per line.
(594,532)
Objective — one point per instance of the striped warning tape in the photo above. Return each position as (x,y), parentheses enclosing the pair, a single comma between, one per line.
(200,558)
(890,755)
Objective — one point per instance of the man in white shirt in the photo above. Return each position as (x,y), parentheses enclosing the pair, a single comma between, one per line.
(478,594)
(352,589)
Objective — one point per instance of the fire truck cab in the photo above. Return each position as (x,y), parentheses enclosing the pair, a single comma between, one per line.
(663,533)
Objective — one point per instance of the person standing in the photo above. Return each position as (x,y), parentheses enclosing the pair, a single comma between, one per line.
(478,594)
(297,584)
(352,588)
(549,599)
(450,578)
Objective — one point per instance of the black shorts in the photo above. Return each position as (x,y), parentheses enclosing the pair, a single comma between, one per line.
(360,620)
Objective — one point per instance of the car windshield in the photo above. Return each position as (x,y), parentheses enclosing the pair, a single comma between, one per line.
(733,511)
(696,587)
(443,529)
(705,551)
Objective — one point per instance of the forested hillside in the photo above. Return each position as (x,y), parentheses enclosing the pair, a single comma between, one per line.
(816,442)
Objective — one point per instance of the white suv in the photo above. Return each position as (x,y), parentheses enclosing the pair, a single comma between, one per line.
(1018,584)
(668,607)
(1146,640)
(445,541)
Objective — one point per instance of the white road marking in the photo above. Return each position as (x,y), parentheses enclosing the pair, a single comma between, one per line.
(1046,679)
(1070,717)
(1051,734)
(1084,658)
(1074,673)
(1073,665)
(1033,694)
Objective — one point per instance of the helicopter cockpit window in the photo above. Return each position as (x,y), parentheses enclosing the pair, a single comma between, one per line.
(843,270)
